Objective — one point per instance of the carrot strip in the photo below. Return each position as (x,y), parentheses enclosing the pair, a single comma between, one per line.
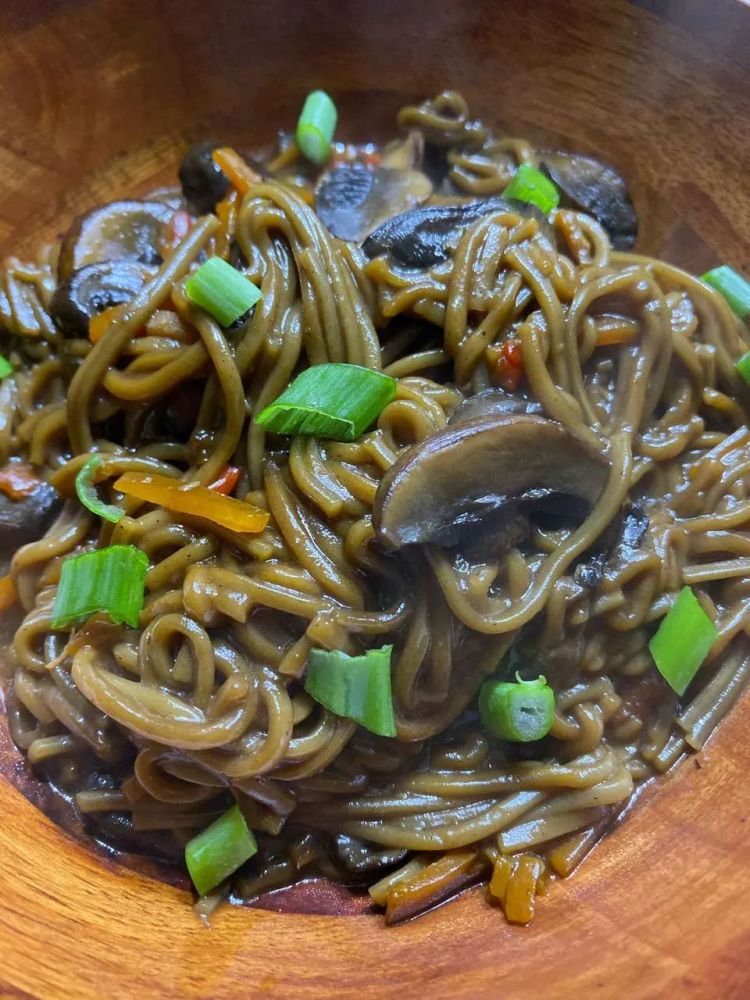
(99,324)
(18,481)
(240,173)
(226,212)
(8,595)
(190,498)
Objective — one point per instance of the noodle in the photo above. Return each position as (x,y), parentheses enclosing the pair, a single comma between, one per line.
(166,725)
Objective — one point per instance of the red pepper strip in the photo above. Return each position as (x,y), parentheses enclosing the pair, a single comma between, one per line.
(227,480)
(508,369)
(18,481)
(190,498)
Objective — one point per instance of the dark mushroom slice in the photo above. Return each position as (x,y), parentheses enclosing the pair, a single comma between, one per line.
(26,520)
(203,182)
(94,288)
(423,236)
(488,467)
(119,230)
(493,402)
(361,856)
(354,199)
(599,190)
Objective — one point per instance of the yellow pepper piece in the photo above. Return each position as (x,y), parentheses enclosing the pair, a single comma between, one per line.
(190,498)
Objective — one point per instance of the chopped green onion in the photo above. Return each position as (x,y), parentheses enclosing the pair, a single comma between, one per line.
(530,185)
(221,290)
(218,851)
(87,493)
(110,580)
(6,368)
(734,288)
(682,641)
(316,126)
(334,401)
(357,687)
(520,712)
(743,367)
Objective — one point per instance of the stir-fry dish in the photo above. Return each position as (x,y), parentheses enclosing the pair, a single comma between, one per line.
(372,512)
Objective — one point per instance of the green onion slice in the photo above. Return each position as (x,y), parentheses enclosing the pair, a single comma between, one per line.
(218,851)
(334,401)
(221,290)
(520,712)
(357,687)
(87,493)
(682,641)
(110,580)
(734,288)
(530,185)
(316,126)
(6,368)
(743,367)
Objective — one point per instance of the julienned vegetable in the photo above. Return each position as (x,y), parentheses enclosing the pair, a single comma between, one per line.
(87,493)
(111,580)
(6,368)
(520,711)
(335,401)
(734,288)
(221,290)
(191,498)
(218,851)
(682,641)
(357,687)
(530,185)
(316,126)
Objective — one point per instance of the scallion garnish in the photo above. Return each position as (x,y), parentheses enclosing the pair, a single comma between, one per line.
(682,641)
(520,711)
(87,493)
(110,580)
(6,368)
(316,126)
(221,290)
(743,367)
(218,851)
(734,288)
(334,401)
(530,185)
(357,687)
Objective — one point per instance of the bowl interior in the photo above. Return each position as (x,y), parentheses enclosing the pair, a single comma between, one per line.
(100,97)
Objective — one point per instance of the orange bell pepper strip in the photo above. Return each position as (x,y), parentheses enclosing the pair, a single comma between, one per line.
(8,595)
(240,173)
(198,501)
(18,480)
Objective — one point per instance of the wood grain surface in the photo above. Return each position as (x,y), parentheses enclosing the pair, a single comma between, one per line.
(97,97)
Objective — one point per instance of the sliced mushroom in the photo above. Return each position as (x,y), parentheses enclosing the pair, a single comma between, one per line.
(25,520)
(598,189)
(493,402)
(94,288)
(492,465)
(120,230)
(354,199)
(204,183)
(406,153)
(423,236)
(360,856)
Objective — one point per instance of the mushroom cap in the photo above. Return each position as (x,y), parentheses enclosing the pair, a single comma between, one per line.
(481,466)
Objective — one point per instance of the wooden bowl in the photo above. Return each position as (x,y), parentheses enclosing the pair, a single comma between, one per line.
(97,95)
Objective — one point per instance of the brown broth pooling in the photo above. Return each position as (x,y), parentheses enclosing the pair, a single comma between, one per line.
(628,357)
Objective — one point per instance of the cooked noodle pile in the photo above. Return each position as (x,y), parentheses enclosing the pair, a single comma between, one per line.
(157,730)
